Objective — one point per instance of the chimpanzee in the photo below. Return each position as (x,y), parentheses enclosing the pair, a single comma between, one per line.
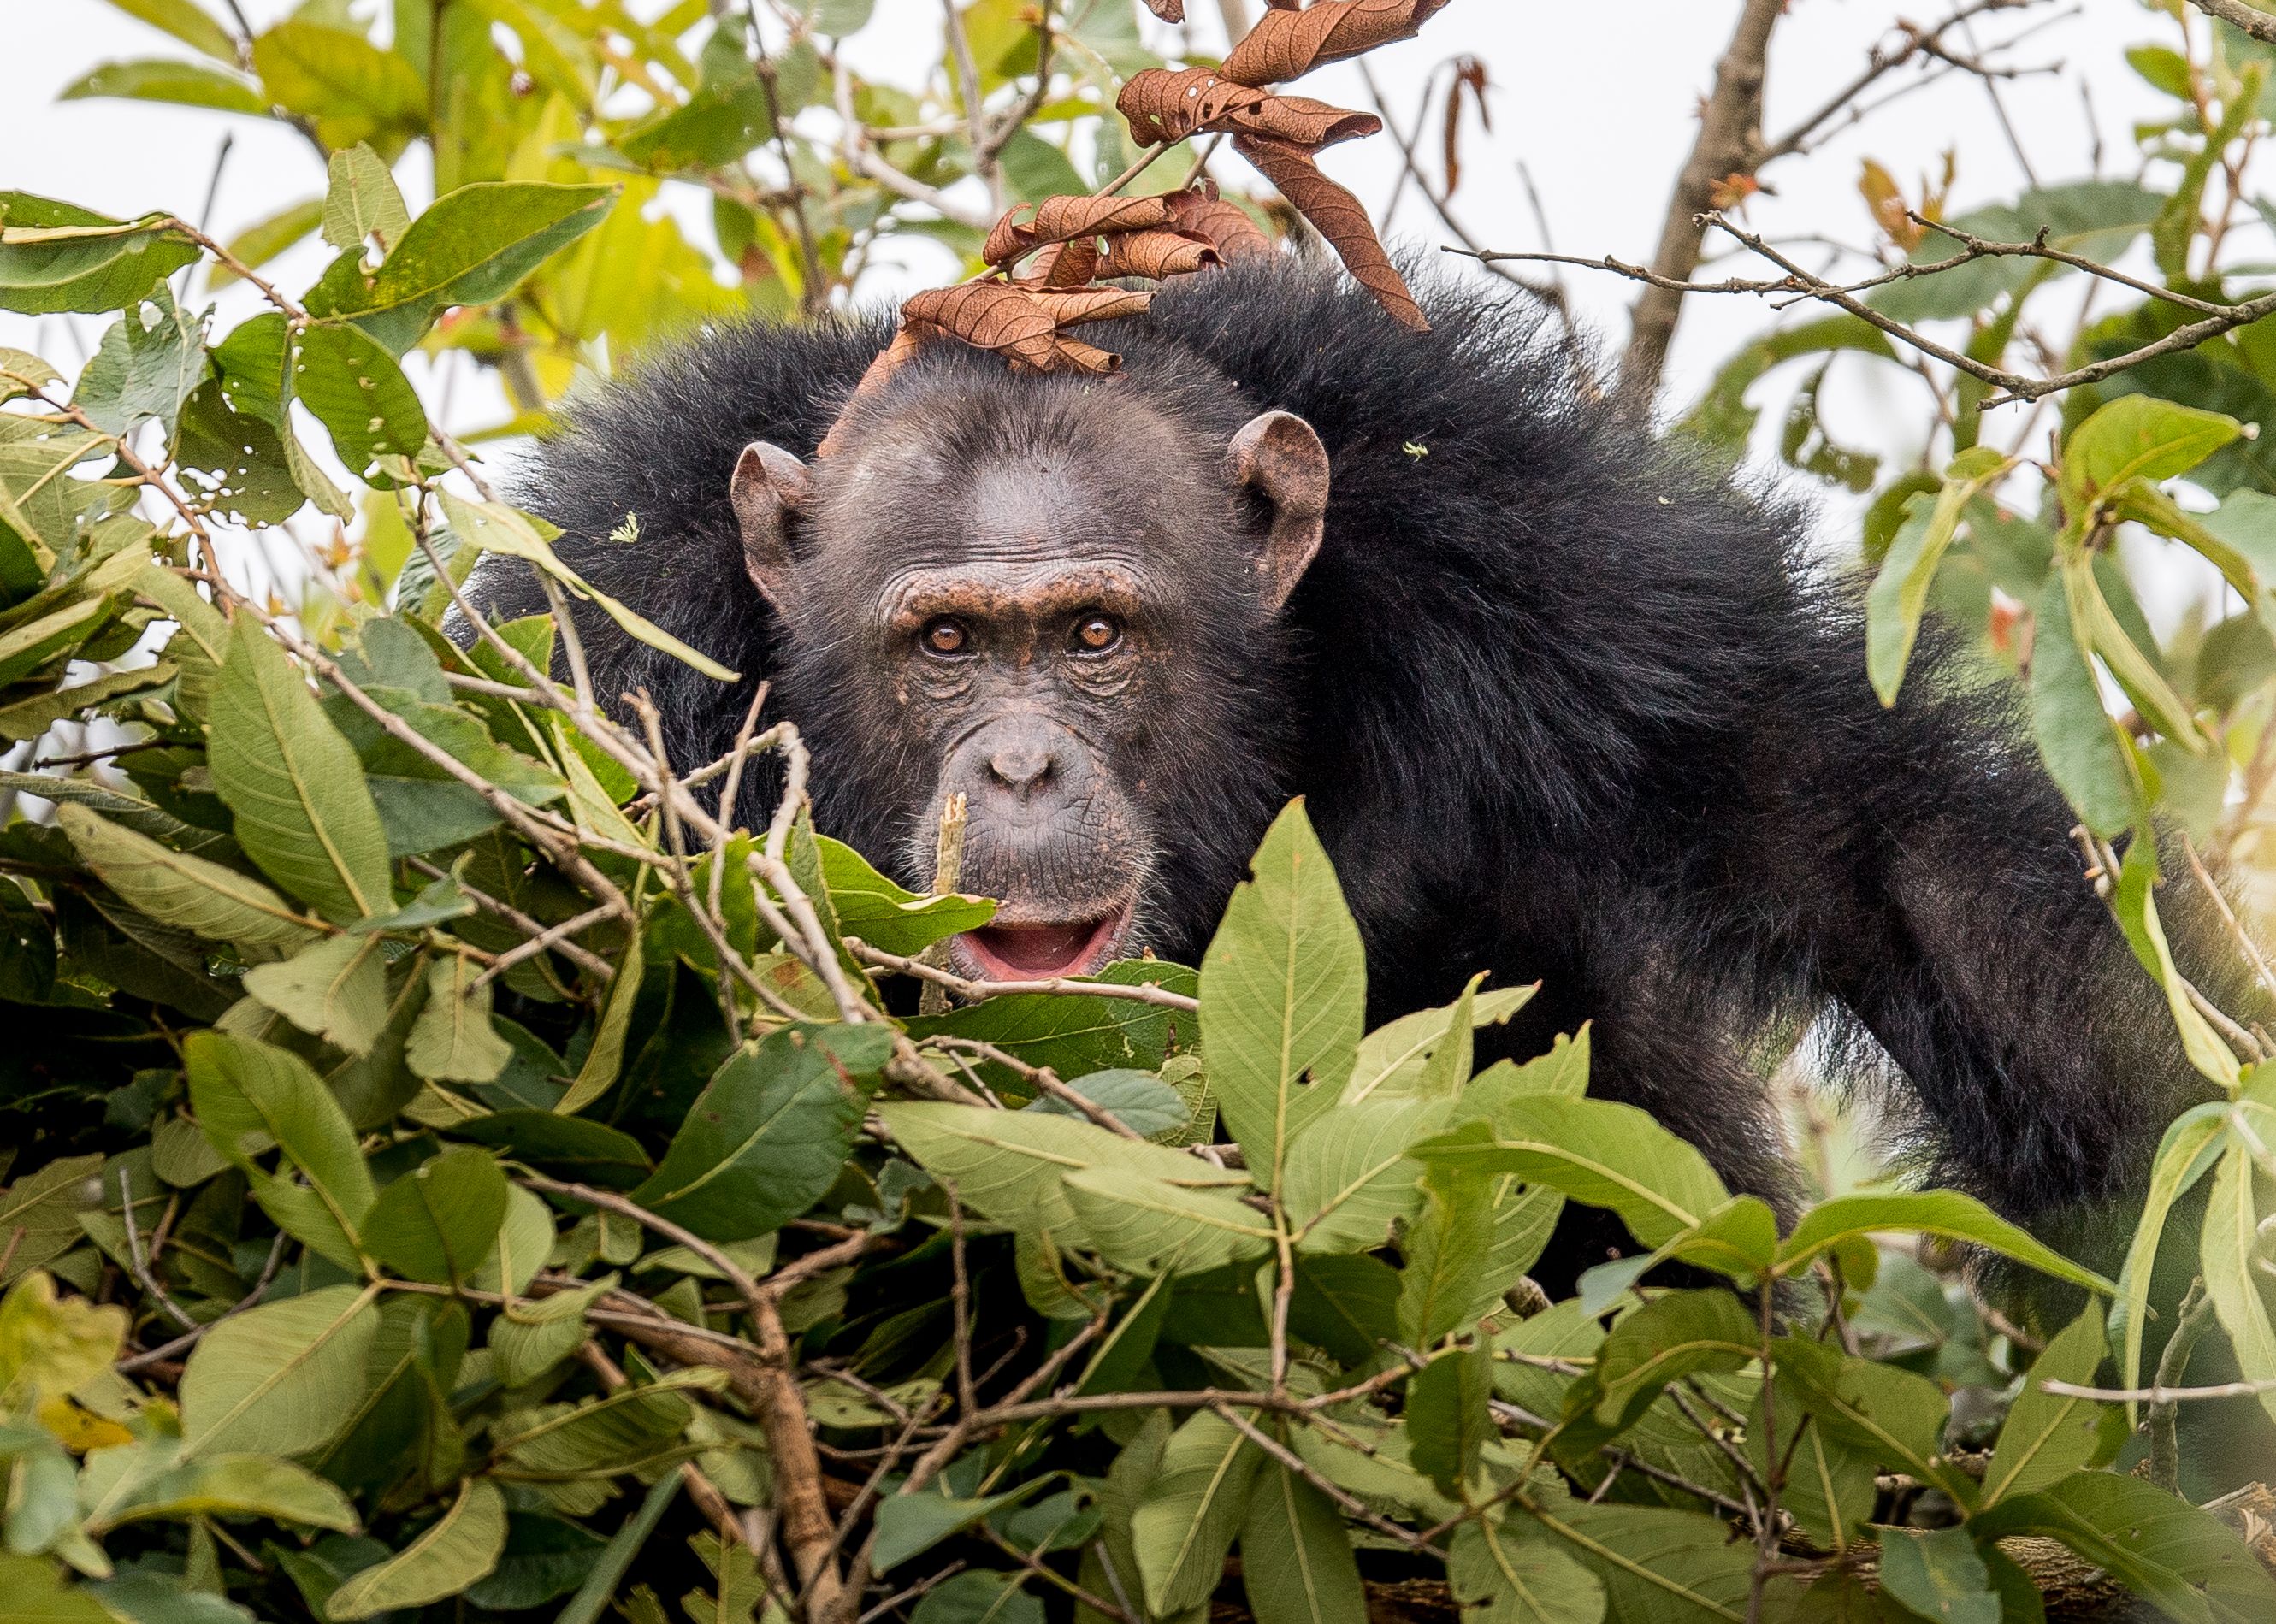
(1562,705)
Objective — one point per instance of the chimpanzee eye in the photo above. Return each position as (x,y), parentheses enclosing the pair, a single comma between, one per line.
(943,636)
(1097,634)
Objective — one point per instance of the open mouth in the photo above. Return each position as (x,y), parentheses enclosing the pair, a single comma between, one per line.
(1040,951)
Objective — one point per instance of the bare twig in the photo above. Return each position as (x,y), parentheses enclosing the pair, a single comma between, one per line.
(1060,986)
(2237,14)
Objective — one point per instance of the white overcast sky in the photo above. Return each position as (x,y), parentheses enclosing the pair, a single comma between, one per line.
(1596,99)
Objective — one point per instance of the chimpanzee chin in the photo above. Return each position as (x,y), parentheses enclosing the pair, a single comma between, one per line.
(1565,704)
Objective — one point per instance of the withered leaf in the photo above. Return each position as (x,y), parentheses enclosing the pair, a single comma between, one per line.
(1158,255)
(1073,307)
(1338,216)
(1063,219)
(1202,213)
(1168,104)
(1168,10)
(1470,74)
(1064,264)
(1286,43)
(890,359)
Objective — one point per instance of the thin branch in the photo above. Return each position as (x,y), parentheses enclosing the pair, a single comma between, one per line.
(2237,14)
(1058,986)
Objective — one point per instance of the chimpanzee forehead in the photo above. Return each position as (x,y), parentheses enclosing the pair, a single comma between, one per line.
(1133,492)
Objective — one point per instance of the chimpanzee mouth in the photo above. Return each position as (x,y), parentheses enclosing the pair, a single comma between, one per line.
(1040,950)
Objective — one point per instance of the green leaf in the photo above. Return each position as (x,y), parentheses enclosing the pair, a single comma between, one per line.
(453,1040)
(361,201)
(2228,1248)
(1938,1576)
(57,257)
(2189,1150)
(1149,1225)
(1659,1567)
(1899,596)
(590,1602)
(239,1485)
(2182,1562)
(1140,1101)
(871,907)
(606,1057)
(40,1212)
(1679,1334)
(1446,1251)
(186,21)
(472,247)
(1284,996)
(1348,1179)
(1008,1166)
(568,1147)
(529,1339)
(337,990)
(161,78)
(1510,1572)
(348,87)
(1449,1421)
(767,1136)
(2137,907)
(438,1221)
(1190,1512)
(1393,1058)
(462,1546)
(301,811)
(909,1525)
(1947,1214)
(269,1381)
(2138,436)
(1296,1561)
(2048,1435)
(149,362)
(1890,1414)
(358,393)
(174,888)
(2080,742)
(242,1089)
(1595,1151)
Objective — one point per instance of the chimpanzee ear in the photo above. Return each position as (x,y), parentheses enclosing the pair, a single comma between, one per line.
(1279,457)
(768,486)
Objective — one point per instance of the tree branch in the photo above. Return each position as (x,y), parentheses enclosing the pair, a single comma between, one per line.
(2237,14)
(1730,143)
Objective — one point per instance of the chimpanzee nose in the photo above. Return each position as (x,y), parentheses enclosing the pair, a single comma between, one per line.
(1022,766)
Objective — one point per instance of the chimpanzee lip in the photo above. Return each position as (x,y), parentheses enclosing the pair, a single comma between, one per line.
(1040,950)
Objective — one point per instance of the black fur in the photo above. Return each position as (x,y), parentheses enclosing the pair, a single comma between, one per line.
(1563,706)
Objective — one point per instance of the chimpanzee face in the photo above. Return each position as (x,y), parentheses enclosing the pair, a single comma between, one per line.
(1053,611)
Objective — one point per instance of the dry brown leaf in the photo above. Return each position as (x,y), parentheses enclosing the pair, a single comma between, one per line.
(987,315)
(1470,74)
(1073,354)
(1063,219)
(1167,104)
(1225,226)
(1158,255)
(1286,43)
(1340,217)
(1064,264)
(1168,10)
(890,359)
(1073,307)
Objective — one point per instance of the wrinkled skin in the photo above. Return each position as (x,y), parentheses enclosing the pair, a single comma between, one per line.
(1024,615)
